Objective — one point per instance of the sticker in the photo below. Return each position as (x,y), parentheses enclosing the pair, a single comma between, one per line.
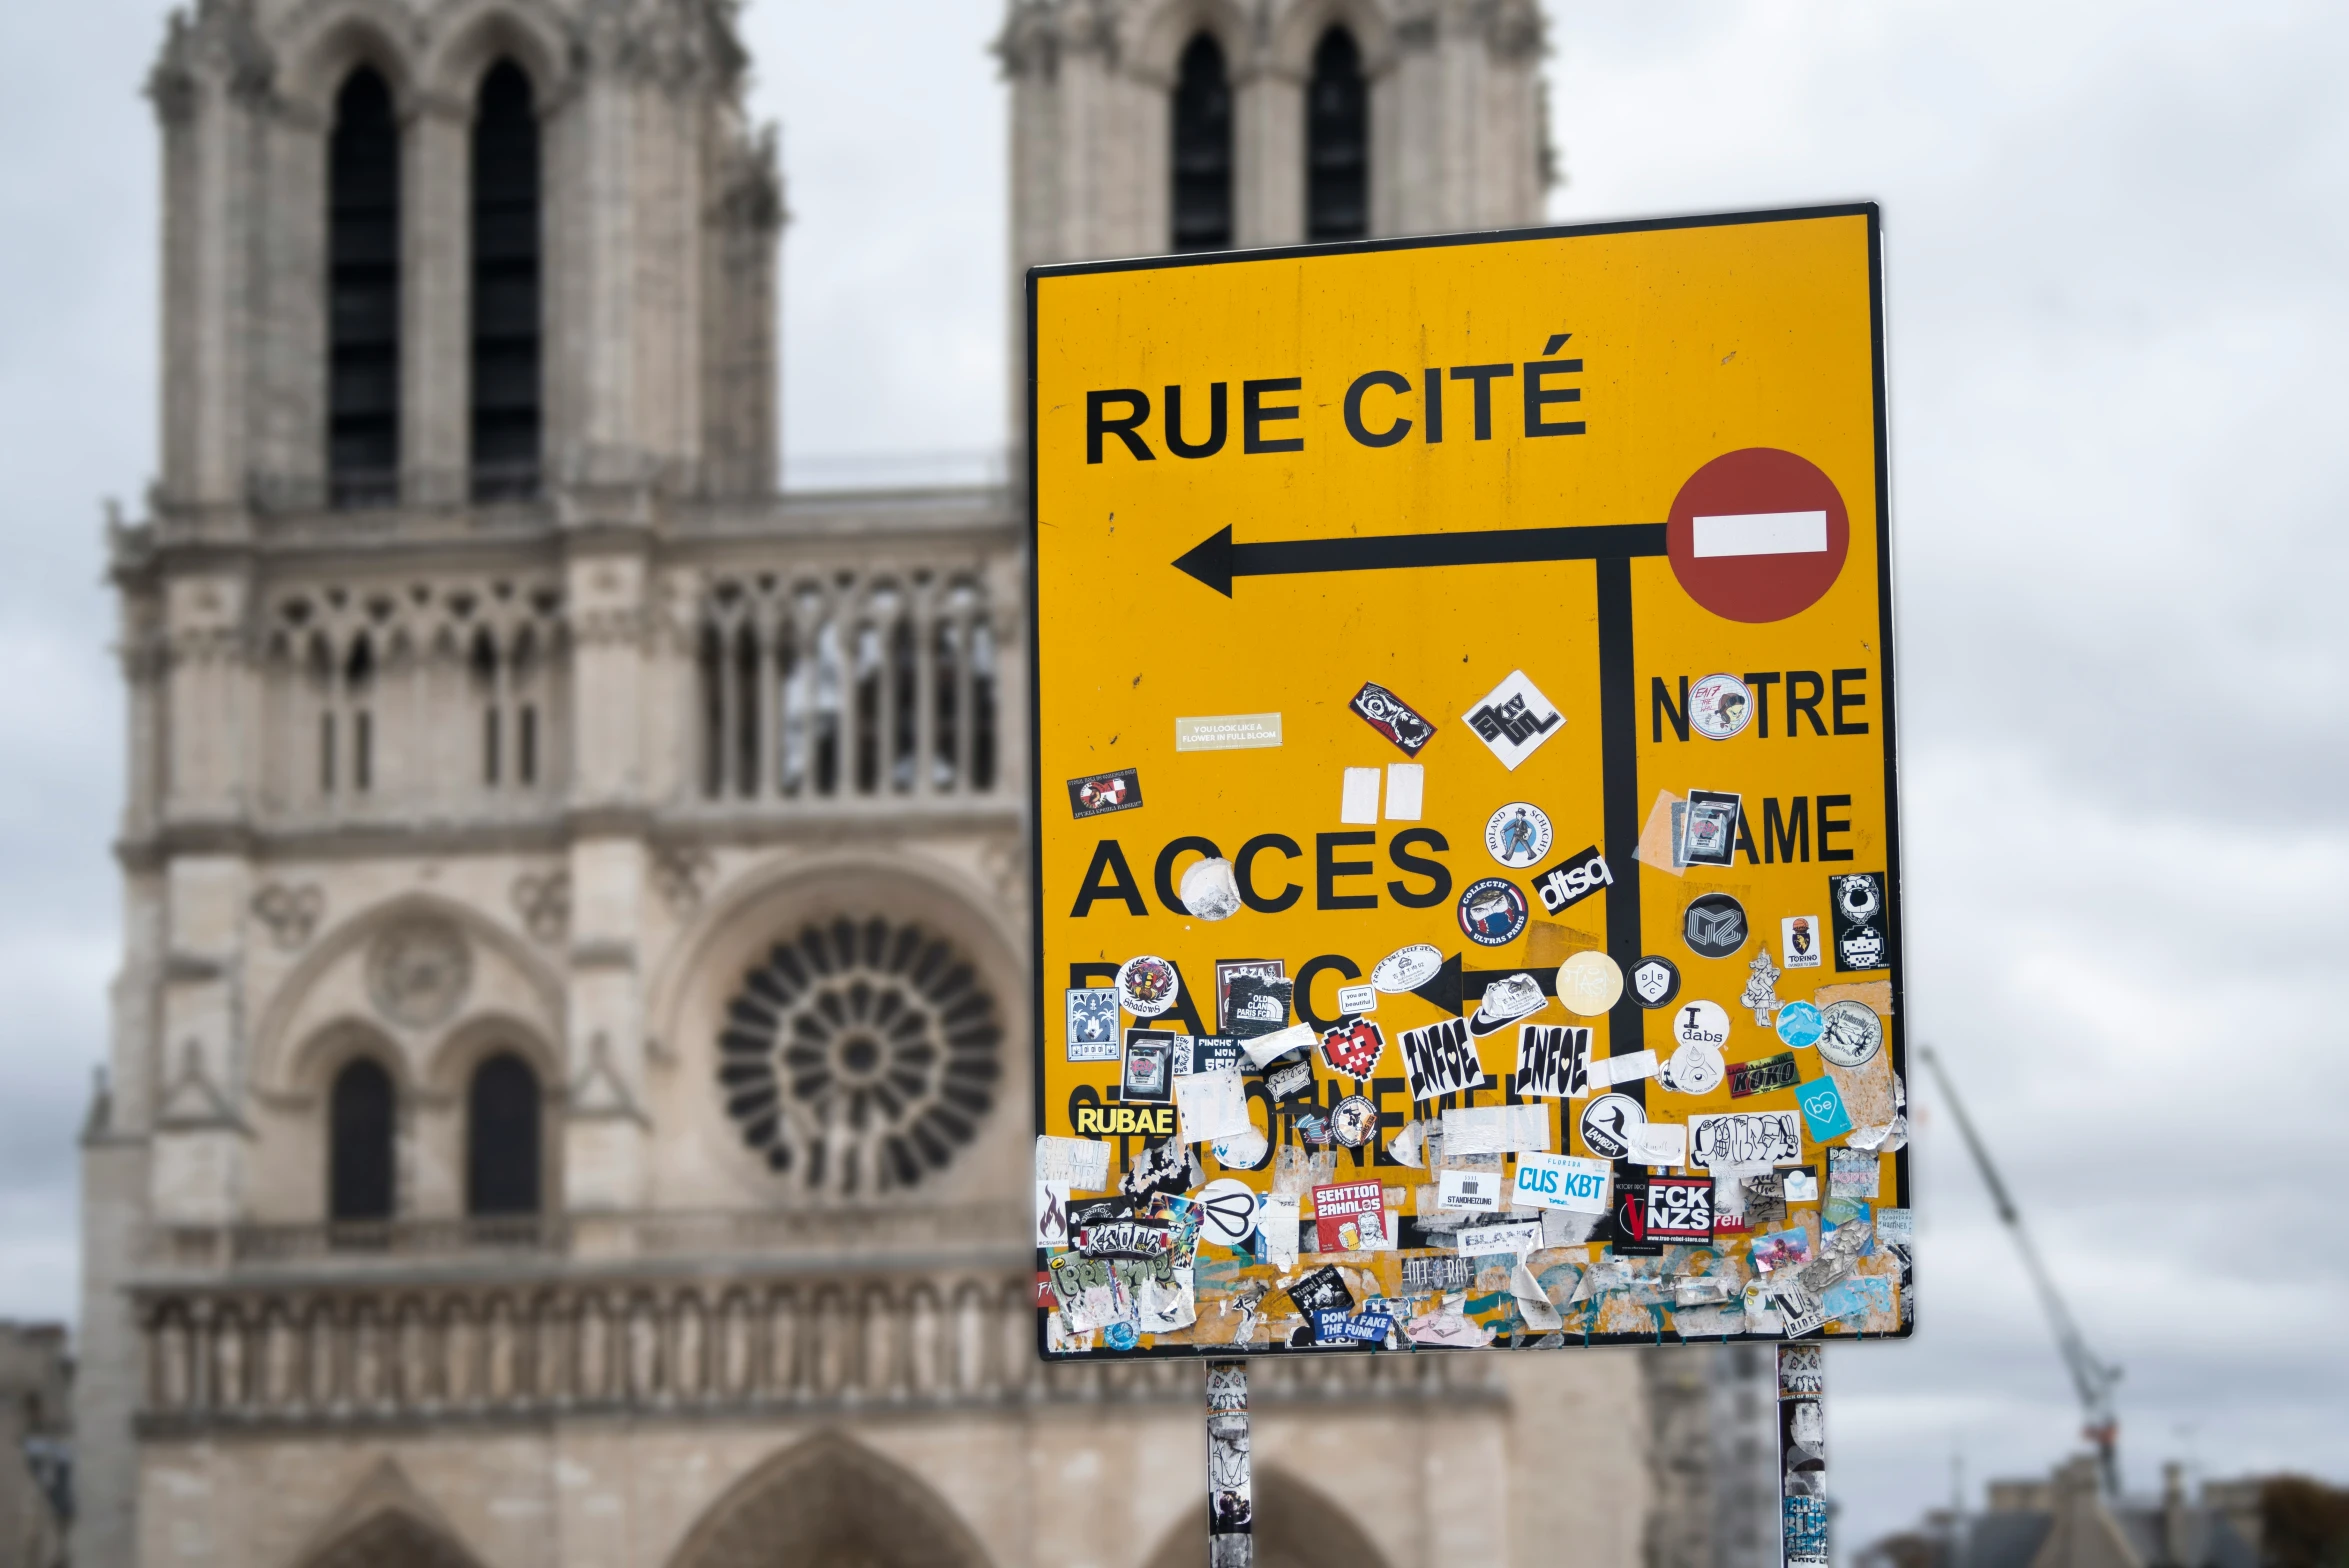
(1440,1059)
(1680,1208)
(1358,798)
(1655,980)
(1719,706)
(1780,1249)
(1289,1084)
(1660,1143)
(1347,1214)
(1323,1290)
(1159,1168)
(1766,1076)
(1354,1120)
(1744,1138)
(1553,1063)
(1631,1219)
(1800,1024)
(1823,1112)
(1353,1048)
(1052,1213)
(1514,1240)
(1439,1271)
(1227,1211)
(1368,1327)
(1475,1192)
(1210,891)
(1265,1049)
(1849,1034)
(1406,791)
(1392,717)
(1694,1069)
(1518,835)
(1104,793)
(1858,898)
(1251,996)
(1149,1057)
(1496,1129)
(1572,880)
(1708,833)
(1798,938)
(1504,1002)
(1492,912)
(1853,1173)
(1406,969)
(1242,1152)
(1561,1181)
(1802,1186)
(1513,719)
(1206,1053)
(1147,987)
(1589,983)
(1607,1124)
(1228,732)
(1358,999)
(1092,1024)
(1761,987)
(1125,1238)
(1121,1336)
(1837,1213)
(1126,1121)
(1714,926)
(1212,1105)
(1701,1023)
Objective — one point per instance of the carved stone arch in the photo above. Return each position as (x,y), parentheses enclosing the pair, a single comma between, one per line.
(470,36)
(450,1061)
(1163,35)
(830,1499)
(323,41)
(1296,1527)
(1299,33)
(386,1523)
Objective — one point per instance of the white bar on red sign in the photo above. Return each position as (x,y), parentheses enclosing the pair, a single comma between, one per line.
(1759,533)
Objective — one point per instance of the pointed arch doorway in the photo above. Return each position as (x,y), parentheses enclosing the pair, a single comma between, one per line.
(1296,1527)
(830,1502)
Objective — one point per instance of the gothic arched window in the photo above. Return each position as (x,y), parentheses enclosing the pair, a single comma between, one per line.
(363,295)
(506,358)
(1337,142)
(360,1114)
(1203,149)
(502,1138)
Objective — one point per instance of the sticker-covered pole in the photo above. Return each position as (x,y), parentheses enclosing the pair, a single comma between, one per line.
(1231,1504)
(1802,1455)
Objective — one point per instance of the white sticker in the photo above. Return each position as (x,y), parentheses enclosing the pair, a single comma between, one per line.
(1079,1164)
(1405,783)
(1802,1187)
(1513,719)
(1358,804)
(1561,1181)
(1659,1143)
(1694,1069)
(1407,968)
(1440,1059)
(1052,1213)
(1357,999)
(1212,1105)
(1263,1048)
(1210,891)
(1760,1139)
(1276,1224)
(1484,1240)
(1476,1192)
(1799,937)
(1611,1070)
(1701,1023)
(1228,732)
(1553,1062)
(1403,1147)
(1227,1211)
(1496,1129)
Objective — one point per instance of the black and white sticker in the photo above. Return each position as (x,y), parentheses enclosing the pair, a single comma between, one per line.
(1714,926)
(1440,1059)
(1553,1063)
(1092,1024)
(1708,833)
(1608,1125)
(1513,719)
(1849,1034)
(1701,1023)
(1572,880)
(1858,900)
(1655,980)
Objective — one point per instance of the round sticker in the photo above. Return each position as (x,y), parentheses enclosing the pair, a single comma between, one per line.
(1757,535)
(1655,980)
(1518,835)
(1492,912)
(1589,983)
(1227,1211)
(1355,1121)
(1210,891)
(1694,1069)
(1849,1035)
(1242,1151)
(1147,987)
(1406,968)
(1607,1122)
(1719,706)
(1701,1023)
(1799,1024)
(1714,926)
(1122,1336)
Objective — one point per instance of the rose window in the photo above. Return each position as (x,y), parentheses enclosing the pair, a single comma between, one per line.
(857,1058)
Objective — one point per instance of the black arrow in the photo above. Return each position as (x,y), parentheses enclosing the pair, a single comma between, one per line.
(1452,988)
(1216,560)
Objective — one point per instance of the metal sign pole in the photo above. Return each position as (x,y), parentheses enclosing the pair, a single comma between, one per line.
(1802,1455)
(1231,1504)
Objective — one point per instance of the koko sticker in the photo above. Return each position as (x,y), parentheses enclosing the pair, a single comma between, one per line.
(1392,717)
(1092,1024)
(1714,926)
(1572,880)
(1518,835)
(1553,1063)
(1766,1076)
(1492,912)
(1798,937)
(1719,706)
(1440,1059)
(1858,899)
(1513,719)
(1353,1047)
(1104,793)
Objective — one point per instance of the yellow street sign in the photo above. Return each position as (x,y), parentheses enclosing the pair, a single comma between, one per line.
(1466,853)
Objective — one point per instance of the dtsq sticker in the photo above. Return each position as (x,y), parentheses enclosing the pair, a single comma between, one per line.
(1147,987)
(1252,996)
(1561,1181)
(1104,793)
(1210,891)
(1552,1063)
(1858,898)
(1354,1121)
(1608,1125)
(1518,835)
(1719,706)
(1492,912)
(1392,717)
(1823,1110)
(1513,720)
(1714,926)
(1589,983)
(1149,1073)
(1572,880)
(1800,1024)
(1763,1077)
(1849,1034)
(1708,835)
(1504,1002)
(1799,935)
(1440,1059)
(1680,1208)
(1353,1047)
(1407,969)
(1655,980)
(1092,1024)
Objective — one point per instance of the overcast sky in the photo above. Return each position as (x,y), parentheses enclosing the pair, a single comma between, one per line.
(2117,253)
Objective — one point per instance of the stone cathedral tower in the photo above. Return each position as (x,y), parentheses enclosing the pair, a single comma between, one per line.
(566,1093)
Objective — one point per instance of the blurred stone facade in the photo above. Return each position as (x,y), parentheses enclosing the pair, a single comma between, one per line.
(489,821)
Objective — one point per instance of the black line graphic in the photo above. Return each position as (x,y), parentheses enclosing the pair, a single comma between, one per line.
(1217,560)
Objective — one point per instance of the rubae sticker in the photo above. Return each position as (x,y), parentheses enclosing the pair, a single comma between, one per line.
(1518,835)
(1589,983)
(1092,1024)
(1798,935)
(1552,1063)
(1123,1121)
(1392,717)
(1655,980)
(1104,793)
(1147,986)
(1407,968)
(1353,1047)
(1440,1059)
(1572,880)
(1506,1000)
(1719,706)
(1609,1124)
(1680,1208)
(1849,1034)
(1513,719)
(1714,926)
(1769,1074)
(1708,834)
(1149,1071)
(1492,912)
(1858,898)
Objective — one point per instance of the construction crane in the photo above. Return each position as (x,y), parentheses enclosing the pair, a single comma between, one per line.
(2091,1378)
